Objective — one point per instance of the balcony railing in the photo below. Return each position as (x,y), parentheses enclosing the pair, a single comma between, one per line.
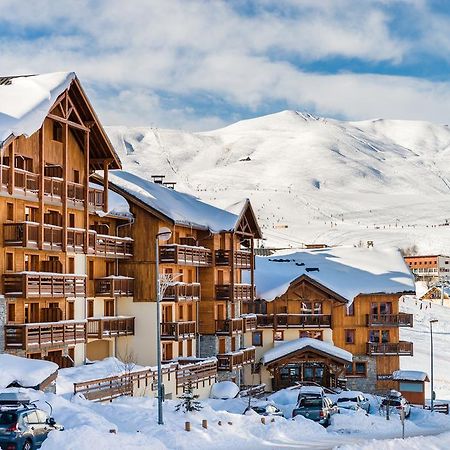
(177,292)
(110,326)
(401,348)
(294,320)
(38,335)
(230,326)
(42,284)
(114,286)
(237,292)
(250,322)
(96,198)
(178,330)
(242,258)
(235,360)
(26,182)
(25,234)
(390,320)
(185,255)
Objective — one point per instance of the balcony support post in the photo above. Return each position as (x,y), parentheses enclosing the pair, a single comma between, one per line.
(86,190)
(11,181)
(41,187)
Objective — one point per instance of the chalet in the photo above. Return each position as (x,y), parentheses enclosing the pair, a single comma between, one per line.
(61,245)
(201,269)
(437,294)
(330,316)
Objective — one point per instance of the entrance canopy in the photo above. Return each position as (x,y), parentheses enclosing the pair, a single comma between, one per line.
(296,347)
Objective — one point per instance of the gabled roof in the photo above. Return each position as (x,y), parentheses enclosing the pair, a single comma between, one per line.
(346,271)
(301,345)
(26,100)
(176,207)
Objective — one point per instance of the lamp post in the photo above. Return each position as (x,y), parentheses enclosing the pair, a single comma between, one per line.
(164,234)
(432,363)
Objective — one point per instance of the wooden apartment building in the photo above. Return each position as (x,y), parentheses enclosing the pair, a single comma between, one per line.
(347,298)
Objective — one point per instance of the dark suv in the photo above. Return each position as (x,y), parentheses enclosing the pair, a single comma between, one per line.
(24,427)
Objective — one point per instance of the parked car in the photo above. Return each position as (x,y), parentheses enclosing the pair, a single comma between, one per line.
(267,410)
(315,406)
(353,400)
(24,427)
(396,402)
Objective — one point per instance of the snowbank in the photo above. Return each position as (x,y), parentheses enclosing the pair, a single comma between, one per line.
(286,348)
(224,390)
(26,100)
(24,371)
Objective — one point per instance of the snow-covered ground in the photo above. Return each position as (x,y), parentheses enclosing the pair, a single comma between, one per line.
(311,180)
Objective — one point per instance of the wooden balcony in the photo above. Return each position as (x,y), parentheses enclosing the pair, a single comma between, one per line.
(34,336)
(250,322)
(53,188)
(114,286)
(175,331)
(27,183)
(113,246)
(401,348)
(96,198)
(235,360)
(237,292)
(43,284)
(185,255)
(230,327)
(390,320)
(110,326)
(21,234)
(294,321)
(178,292)
(242,258)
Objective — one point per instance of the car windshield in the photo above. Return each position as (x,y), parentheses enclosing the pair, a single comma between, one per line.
(7,418)
(345,399)
(391,402)
(310,403)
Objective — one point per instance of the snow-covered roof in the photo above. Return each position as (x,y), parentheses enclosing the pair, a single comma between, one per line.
(183,209)
(24,371)
(26,100)
(289,347)
(410,375)
(347,271)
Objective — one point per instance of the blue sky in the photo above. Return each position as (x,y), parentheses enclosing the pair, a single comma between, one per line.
(198,64)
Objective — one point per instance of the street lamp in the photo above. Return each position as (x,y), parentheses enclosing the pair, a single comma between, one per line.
(432,368)
(164,234)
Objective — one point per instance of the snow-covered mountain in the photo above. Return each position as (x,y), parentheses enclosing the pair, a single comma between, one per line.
(312,180)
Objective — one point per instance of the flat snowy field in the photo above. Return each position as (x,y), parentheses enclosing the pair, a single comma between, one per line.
(311,180)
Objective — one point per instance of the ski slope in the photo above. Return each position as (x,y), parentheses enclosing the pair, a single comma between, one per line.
(311,179)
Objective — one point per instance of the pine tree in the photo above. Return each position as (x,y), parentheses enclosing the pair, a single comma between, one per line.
(189,400)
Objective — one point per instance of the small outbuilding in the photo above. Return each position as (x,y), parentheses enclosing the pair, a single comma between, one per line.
(411,383)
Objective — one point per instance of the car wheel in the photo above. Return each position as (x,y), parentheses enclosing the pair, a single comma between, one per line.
(27,446)
(326,424)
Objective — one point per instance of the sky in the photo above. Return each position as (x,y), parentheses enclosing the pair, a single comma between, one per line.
(201,64)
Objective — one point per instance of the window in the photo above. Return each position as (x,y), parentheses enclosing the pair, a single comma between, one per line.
(11,312)
(71,220)
(222,345)
(90,308)
(356,369)
(31,214)
(381,308)
(311,334)
(349,336)
(350,310)
(10,211)
(71,265)
(70,310)
(76,176)
(180,313)
(109,307)
(91,269)
(31,262)
(278,335)
(189,347)
(9,261)
(257,339)
(379,336)
(57,131)
(180,348)
(311,307)
(167,351)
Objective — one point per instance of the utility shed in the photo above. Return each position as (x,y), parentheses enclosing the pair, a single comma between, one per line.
(411,383)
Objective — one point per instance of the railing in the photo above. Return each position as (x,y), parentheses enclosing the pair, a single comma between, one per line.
(235,360)
(230,326)
(250,323)
(178,330)
(103,327)
(196,372)
(41,284)
(114,286)
(294,320)
(242,258)
(182,291)
(390,320)
(53,188)
(234,292)
(26,182)
(401,348)
(96,198)
(75,192)
(113,246)
(38,335)
(185,255)
(21,234)
(252,391)
(53,237)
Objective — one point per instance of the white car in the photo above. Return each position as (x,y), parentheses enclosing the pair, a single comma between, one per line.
(396,402)
(353,400)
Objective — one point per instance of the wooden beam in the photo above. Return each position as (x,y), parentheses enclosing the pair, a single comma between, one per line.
(86,189)
(105,185)
(41,186)
(67,122)
(11,182)
(65,179)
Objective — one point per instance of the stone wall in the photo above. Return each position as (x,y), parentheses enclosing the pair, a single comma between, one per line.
(367,384)
(2,322)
